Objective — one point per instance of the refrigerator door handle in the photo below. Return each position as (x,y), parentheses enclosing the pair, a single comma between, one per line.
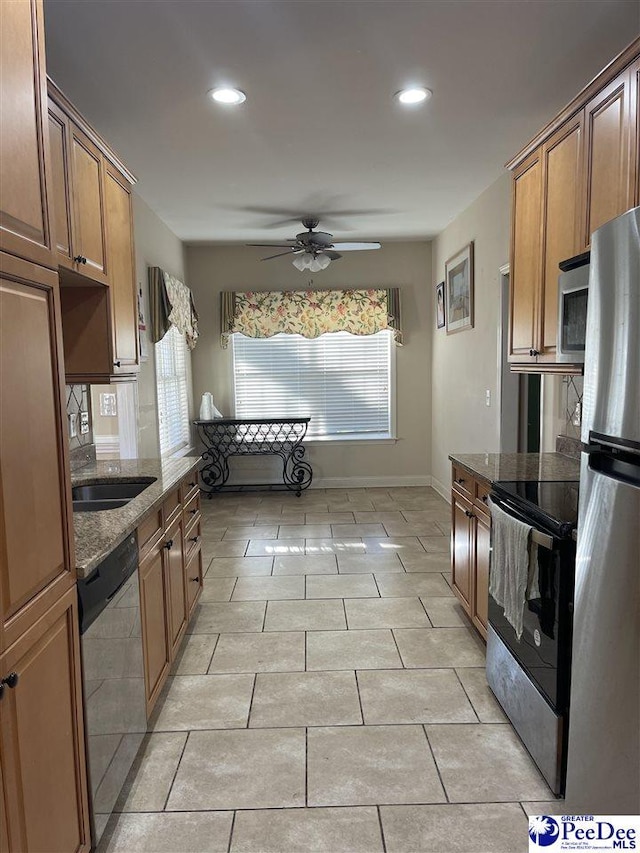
(624,468)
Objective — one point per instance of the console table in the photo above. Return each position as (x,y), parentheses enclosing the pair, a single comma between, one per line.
(226,437)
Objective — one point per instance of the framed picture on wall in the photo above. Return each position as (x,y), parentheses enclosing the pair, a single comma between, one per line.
(440,305)
(458,271)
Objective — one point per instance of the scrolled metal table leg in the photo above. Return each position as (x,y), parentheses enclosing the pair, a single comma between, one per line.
(297,474)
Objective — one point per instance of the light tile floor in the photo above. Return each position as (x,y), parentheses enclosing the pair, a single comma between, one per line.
(330,695)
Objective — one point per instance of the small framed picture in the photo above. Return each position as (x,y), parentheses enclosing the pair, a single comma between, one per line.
(459,290)
(440,305)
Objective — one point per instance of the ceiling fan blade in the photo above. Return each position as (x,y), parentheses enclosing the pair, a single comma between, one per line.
(356,247)
(333,255)
(290,245)
(281,254)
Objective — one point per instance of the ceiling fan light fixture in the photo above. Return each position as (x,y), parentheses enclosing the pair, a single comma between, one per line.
(228,96)
(302,262)
(323,260)
(414,95)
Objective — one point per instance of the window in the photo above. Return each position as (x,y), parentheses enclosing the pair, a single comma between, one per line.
(342,381)
(172,382)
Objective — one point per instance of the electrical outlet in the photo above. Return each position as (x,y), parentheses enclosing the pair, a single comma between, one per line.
(577,414)
(84,423)
(73,425)
(487,397)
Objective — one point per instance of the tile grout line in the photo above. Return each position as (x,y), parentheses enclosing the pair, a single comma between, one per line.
(384,843)
(355,672)
(253,693)
(233,824)
(213,651)
(467,695)
(393,634)
(435,763)
(182,751)
(431,625)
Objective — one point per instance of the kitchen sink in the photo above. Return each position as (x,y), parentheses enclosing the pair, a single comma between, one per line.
(96,497)
(97,506)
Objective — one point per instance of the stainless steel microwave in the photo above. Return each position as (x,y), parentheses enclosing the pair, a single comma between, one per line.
(573,289)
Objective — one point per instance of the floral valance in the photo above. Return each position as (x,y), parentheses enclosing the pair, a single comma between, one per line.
(171,304)
(310,313)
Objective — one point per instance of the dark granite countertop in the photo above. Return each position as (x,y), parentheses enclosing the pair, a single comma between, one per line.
(98,533)
(494,467)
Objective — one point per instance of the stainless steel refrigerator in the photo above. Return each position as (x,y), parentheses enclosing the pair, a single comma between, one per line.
(603,768)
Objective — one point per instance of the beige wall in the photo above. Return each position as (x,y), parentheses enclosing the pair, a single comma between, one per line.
(211,269)
(465,365)
(156,246)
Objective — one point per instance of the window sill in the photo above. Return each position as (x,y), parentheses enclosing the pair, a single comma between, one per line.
(344,440)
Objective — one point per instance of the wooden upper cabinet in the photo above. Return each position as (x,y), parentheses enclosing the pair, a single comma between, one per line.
(609,171)
(25,224)
(61,197)
(121,264)
(562,181)
(635,139)
(526,241)
(36,555)
(87,187)
(42,737)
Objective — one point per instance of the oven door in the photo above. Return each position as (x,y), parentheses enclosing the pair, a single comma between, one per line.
(543,651)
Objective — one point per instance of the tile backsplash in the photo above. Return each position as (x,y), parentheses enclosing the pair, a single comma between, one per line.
(572,391)
(81,446)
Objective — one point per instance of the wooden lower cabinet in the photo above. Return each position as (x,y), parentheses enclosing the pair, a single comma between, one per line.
(170,583)
(471,548)
(153,609)
(42,754)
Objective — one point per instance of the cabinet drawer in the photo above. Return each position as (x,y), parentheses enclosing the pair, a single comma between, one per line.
(191,508)
(170,506)
(189,486)
(483,490)
(463,481)
(148,529)
(192,538)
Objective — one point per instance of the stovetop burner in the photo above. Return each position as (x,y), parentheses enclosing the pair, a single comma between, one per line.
(556,503)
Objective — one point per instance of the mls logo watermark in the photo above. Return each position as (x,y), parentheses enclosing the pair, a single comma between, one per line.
(583,832)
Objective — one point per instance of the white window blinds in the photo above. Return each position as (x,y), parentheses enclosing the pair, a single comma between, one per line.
(172,382)
(342,381)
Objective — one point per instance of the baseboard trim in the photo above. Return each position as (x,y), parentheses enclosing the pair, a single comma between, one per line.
(441,489)
(371,482)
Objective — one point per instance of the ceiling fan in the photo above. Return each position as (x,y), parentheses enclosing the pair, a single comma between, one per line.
(314,250)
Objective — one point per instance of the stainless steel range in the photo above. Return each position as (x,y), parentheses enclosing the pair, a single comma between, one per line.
(530,674)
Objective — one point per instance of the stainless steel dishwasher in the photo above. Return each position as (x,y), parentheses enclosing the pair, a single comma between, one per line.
(113,676)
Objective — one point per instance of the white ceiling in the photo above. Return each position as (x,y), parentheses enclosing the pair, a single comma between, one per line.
(319,132)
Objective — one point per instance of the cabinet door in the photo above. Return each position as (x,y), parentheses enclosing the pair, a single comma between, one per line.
(122,280)
(193,575)
(177,613)
(42,736)
(562,165)
(36,557)
(608,135)
(635,140)
(59,140)
(25,227)
(482,555)
(461,548)
(526,252)
(153,610)
(87,187)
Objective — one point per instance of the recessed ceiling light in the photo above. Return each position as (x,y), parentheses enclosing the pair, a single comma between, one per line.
(413,96)
(228,96)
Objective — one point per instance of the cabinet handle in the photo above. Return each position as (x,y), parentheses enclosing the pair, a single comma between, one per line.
(168,544)
(11,680)
(116,364)
(192,485)
(485,499)
(77,259)
(194,538)
(195,580)
(534,352)
(468,514)
(193,511)
(461,480)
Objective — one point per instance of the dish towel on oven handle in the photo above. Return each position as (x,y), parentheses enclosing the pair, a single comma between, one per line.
(510,577)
